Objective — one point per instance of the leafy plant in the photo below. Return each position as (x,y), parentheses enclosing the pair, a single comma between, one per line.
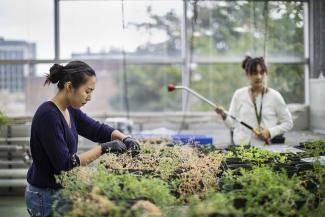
(314,148)
(111,194)
(256,155)
(195,172)
(271,194)
(218,204)
(3,118)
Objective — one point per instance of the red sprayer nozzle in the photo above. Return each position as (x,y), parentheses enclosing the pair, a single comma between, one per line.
(171,87)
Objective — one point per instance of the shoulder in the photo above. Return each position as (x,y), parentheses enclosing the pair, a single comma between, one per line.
(46,112)
(273,93)
(75,111)
(77,114)
(241,91)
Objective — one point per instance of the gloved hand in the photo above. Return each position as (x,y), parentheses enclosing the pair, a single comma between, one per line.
(132,144)
(115,146)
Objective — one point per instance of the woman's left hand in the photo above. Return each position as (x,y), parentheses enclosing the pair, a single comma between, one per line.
(265,133)
(131,144)
(262,133)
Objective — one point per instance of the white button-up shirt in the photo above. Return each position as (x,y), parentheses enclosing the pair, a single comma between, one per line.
(275,115)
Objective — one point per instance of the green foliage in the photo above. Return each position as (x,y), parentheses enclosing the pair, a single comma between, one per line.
(167,166)
(256,155)
(263,193)
(314,148)
(288,80)
(97,192)
(3,119)
(128,187)
(149,84)
(275,193)
(218,204)
(184,181)
(187,171)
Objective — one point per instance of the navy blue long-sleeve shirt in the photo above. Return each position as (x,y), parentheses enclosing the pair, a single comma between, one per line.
(53,144)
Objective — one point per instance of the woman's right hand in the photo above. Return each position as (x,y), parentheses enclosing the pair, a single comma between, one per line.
(221,111)
(115,146)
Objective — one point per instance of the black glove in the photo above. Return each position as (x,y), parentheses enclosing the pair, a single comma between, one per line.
(115,146)
(132,144)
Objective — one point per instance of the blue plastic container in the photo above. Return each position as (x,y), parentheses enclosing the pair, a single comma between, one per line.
(181,138)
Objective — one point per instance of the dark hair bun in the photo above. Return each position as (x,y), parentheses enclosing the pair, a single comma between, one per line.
(245,62)
(76,72)
(56,73)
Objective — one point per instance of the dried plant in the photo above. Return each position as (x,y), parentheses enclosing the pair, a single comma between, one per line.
(187,170)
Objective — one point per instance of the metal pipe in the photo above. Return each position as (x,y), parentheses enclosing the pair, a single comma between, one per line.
(56,30)
(12,163)
(11,148)
(13,173)
(172,87)
(13,183)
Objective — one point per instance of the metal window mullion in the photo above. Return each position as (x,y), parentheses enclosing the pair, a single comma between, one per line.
(306,53)
(56,30)
(185,57)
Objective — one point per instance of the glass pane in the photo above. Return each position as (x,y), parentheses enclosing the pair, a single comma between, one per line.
(236,28)
(147,88)
(288,79)
(21,88)
(150,28)
(218,83)
(26,29)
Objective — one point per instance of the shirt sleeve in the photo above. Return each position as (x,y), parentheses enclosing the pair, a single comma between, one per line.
(91,129)
(233,110)
(51,135)
(284,117)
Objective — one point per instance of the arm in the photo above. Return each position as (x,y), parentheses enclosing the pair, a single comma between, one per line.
(102,133)
(94,130)
(284,117)
(50,132)
(117,135)
(115,146)
(234,110)
(90,155)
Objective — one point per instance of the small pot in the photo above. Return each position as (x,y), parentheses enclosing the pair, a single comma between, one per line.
(310,184)
(230,187)
(299,203)
(304,166)
(217,214)
(239,202)
(251,215)
(238,166)
(234,160)
(290,170)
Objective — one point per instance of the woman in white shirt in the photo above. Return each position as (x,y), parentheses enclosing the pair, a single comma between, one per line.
(259,106)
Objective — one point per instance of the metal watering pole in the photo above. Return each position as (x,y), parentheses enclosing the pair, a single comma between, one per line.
(172,87)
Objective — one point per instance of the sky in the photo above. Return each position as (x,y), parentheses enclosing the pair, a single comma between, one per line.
(83,24)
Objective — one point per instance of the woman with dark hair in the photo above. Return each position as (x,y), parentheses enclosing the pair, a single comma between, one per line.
(54,135)
(261,107)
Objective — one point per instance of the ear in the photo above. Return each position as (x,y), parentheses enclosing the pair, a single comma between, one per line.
(68,86)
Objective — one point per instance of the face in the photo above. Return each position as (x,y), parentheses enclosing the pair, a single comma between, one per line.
(257,79)
(80,96)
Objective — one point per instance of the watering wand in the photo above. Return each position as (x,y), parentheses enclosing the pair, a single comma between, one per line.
(172,87)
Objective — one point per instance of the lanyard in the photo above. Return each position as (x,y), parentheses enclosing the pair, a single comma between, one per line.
(258,115)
